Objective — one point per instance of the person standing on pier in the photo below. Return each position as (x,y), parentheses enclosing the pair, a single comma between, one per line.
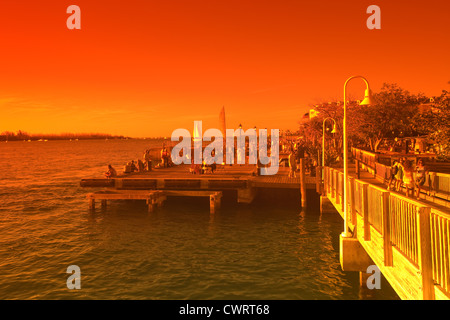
(299,152)
(408,178)
(147,162)
(393,178)
(164,157)
(292,165)
(140,165)
(421,175)
(399,175)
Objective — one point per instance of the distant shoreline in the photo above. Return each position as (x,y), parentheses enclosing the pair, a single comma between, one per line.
(81,139)
(68,137)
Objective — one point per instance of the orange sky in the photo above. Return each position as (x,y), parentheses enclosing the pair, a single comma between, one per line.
(145,68)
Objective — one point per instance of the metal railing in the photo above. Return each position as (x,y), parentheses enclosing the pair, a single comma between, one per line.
(419,233)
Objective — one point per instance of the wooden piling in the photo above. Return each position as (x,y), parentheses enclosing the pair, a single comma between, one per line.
(302,183)
(150,204)
(92,204)
(215,202)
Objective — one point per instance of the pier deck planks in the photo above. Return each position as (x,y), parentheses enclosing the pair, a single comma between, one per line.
(179,177)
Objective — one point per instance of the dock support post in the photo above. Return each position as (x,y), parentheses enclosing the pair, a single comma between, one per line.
(365,292)
(246,195)
(425,255)
(353,256)
(302,182)
(104,203)
(363,276)
(214,202)
(92,204)
(326,206)
(151,202)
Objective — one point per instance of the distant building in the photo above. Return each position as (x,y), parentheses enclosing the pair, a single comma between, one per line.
(313,113)
(427,107)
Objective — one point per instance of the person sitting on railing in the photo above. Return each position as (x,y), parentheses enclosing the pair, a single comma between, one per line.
(421,174)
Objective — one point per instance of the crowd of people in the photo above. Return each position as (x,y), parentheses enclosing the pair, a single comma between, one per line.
(142,165)
(166,159)
(298,151)
(402,174)
(202,168)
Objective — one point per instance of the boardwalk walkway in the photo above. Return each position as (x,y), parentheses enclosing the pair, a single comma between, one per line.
(426,199)
(408,239)
(235,176)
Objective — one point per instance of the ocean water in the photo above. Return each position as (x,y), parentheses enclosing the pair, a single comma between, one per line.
(260,251)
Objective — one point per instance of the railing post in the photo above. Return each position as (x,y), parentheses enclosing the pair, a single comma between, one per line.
(424,251)
(352,211)
(387,245)
(357,169)
(333,183)
(365,210)
(432,184)
(336,185)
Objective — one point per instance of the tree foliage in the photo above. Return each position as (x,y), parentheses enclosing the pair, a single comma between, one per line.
(437,122)
(313,129)
(395,114)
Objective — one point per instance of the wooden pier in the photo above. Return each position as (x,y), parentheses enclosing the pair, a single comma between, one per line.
(408,240)
(153,198)
(177,180)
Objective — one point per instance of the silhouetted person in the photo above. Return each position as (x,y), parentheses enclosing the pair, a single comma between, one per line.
(111,173)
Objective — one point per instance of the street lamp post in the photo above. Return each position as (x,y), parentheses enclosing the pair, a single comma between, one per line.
(323,141)
(366,101)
